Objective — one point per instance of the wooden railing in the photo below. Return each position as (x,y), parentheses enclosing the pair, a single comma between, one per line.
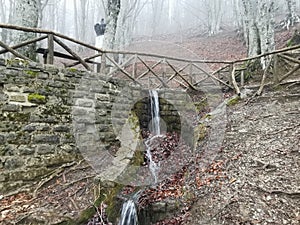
(154,70)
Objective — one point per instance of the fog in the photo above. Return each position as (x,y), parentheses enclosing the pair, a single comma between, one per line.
(147,18)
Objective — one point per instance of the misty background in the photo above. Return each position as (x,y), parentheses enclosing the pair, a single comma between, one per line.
(158,19)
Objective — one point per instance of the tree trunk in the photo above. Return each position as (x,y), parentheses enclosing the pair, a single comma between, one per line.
(3,17)
(259,26)
(291,17)
(214,16)
(113,9)
(76,25)
(28,14)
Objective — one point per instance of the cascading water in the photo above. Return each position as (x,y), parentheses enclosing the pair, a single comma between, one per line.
(155,119)
(129,214)
(155,128)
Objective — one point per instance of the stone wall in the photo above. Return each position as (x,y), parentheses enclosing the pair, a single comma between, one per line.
(52,116)
(43,111)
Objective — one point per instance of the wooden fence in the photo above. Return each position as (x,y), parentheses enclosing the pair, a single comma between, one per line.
(153,70)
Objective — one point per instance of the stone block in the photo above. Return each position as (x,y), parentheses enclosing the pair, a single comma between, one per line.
(11,88)
(44,149)
(26,150)
(13,163)
(18,98)
(102,97)
(46,138)
(2,139)
(87,103)
(61,128)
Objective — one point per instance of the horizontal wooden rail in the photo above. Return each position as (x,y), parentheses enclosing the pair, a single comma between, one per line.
(136,65)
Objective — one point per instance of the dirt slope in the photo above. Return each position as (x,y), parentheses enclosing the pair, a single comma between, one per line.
(261,158)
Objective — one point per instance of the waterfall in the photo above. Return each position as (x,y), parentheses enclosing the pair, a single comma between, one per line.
(154,107)
(153,167)
(129,214)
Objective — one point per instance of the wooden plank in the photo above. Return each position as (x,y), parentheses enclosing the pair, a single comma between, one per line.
(213,77)
(289,73)
(50,55)
(87,59)
(153,72)
(72,53)
(15,53)
(181,83)
(24,43)
(234,83)
(203,79)
(289,58)
(146,72)
(122,65)
(122,70)
(178,73)
(175,74)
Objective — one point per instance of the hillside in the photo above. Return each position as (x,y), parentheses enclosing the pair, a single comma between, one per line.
(253,178)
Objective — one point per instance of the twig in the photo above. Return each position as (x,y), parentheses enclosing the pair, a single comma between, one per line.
(284,129)
(229,201)
(78,180)
(74,203)
(263,80)
(296,194)
(98,213)
(54,173)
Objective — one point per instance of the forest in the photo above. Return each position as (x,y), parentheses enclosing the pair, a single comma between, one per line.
(189,114)
(129,20)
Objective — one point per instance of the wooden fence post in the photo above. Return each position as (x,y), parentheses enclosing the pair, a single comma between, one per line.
(191,73)
(275,70)
(242,78)
(230,73)
(134,67)
(103,63)
(50,54)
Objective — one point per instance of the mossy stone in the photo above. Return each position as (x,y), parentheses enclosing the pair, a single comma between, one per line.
(37,98)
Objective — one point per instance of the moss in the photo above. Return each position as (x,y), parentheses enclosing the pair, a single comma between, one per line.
(201,105)
(16,62)
(20,117)
(73,70)
(31,73)
(200,132)
(106,195)
(289,43)
(233,101)
(36,98)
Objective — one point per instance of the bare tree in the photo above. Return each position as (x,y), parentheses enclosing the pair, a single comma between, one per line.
(129,11)
(292,17)
(112,11)
(214,16)
(259,26)
(157,9)
(28,14)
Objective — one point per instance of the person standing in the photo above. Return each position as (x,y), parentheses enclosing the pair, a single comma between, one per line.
(100,30)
